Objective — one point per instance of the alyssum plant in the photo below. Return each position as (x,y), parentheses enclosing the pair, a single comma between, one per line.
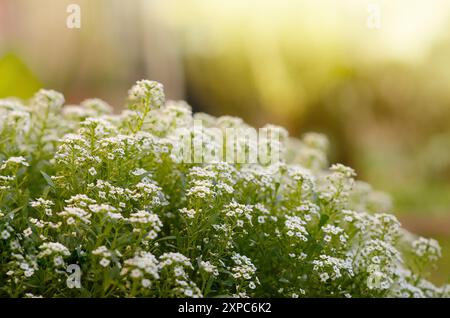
(97,204)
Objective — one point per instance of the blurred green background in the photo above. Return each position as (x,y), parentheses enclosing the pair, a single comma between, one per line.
(382,95)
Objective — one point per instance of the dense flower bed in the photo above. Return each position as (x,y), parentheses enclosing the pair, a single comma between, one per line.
(98,204)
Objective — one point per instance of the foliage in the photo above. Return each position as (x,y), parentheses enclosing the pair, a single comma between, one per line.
(80,185)
(16,79)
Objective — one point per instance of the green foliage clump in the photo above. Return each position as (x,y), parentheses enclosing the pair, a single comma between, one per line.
(96,204)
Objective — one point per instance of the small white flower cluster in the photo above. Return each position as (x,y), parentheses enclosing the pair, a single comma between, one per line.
(14,161)
(427,249)
(104,253)
(188,213)
(243,267)
(145,89)
(8,171)
(22,266)
(49,99)
(53,248)
(331,268)
(239,213)
(145,270)
(337,185)
(41,203)
(143,264)
(73,215)
(334,235)
(209,268)
(109,211)
(257,180)
(210,181)
(150,222)
(381,261)
(300,181)
(244,272)
(295,227)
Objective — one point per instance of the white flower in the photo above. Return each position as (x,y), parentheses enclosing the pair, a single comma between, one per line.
(27,232)
(104,262)
(92,171)
(24,266)
(324,277)
(52,248)
(178,271)
(427,248)
(296,226)
(40,202)
(5,235)
(29,272)
(243,267)
(15,245)
(145,261)
(188,213)
(58,261)
(152,235)
(145,89)
(14,160)
(146,283)
(138,172)
(340,168)
(49,99)
(100,250)
(209,268)
(114,216)
(135,273)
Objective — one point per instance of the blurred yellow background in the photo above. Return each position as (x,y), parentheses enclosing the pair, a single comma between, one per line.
(381,93)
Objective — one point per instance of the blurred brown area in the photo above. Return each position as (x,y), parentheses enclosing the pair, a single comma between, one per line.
(380,94)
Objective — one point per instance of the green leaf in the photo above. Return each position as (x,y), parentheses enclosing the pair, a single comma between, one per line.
(173,237)
(48,179)
(16,79)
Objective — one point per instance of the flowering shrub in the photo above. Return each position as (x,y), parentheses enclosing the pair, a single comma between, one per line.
(83,188)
